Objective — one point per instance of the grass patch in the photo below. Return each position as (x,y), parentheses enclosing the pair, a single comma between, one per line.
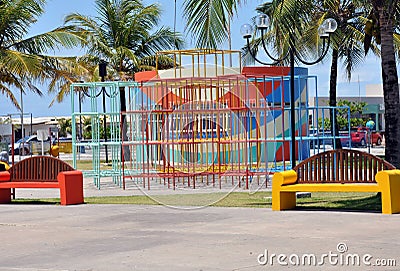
(318,201)
(88,164)
(344,201)
(36,201)
(235,199)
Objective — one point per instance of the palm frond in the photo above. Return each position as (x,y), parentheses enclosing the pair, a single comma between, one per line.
(62,37)
(208,20)
(124,33)
(16,16)
(9,94)
(22,65)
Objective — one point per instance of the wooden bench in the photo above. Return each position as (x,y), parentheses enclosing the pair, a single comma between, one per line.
(338,171)
(43,172)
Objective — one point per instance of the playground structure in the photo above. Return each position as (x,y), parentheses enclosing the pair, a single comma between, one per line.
(201,124)
(114,144)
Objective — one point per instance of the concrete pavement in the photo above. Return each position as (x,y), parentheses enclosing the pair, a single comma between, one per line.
(130,237)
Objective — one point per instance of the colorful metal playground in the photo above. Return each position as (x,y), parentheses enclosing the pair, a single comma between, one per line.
(202,124)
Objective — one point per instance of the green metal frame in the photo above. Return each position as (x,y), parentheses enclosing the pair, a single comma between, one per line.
(114,119)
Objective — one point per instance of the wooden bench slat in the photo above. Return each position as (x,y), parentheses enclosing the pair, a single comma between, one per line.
(364,168)
(371,169)
(341,166)
(315,171)
(344,162)
(358,172)
(306,172)
(338,167)
(39,168)
(344,165)
(329,166)
(351,162)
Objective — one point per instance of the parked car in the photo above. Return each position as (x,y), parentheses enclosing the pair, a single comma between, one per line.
(319,138)
(26,145)
(359,137)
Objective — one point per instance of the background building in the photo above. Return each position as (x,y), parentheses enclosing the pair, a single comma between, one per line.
(373,97)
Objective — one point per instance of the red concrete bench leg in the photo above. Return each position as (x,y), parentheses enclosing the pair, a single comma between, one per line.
(71,187)
(5,195)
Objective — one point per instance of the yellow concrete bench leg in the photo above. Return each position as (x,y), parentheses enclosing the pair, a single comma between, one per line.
(283,200)
(389,183)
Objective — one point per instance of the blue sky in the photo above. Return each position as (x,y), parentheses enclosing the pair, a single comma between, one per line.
(368,73)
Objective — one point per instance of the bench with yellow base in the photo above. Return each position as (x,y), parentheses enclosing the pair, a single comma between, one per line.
(338,171)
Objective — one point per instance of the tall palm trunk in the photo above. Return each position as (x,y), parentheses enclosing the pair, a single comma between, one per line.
(390,86)
(332,97)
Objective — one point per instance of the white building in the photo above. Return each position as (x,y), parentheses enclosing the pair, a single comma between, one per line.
(30,126)
(374,109)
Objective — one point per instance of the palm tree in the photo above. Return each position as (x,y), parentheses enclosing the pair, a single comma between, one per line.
(23,60)
(385,13)
(347,41)
(346,44)
(124,34)
(87,127)
(65,127)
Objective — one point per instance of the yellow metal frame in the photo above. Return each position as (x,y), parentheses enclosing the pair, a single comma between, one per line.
(196,55)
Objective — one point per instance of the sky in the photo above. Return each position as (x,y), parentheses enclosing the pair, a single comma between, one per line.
(368,72)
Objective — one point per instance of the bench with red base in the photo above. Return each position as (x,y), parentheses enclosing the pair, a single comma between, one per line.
(43,172)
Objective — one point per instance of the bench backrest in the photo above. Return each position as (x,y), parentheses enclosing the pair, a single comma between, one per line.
(38,169)
(341,166)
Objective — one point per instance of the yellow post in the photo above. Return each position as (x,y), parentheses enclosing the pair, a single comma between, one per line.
(283,200)
(389,182)
(55,150)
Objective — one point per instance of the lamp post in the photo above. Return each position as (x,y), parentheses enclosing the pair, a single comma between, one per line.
(325,30)
(22,126)
(80,112)
(103,74)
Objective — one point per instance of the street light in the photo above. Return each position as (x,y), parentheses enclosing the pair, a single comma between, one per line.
(81,89)
(103,74)
(325,30)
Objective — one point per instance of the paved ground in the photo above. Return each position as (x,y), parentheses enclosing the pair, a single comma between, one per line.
(126,237)
(130,237)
